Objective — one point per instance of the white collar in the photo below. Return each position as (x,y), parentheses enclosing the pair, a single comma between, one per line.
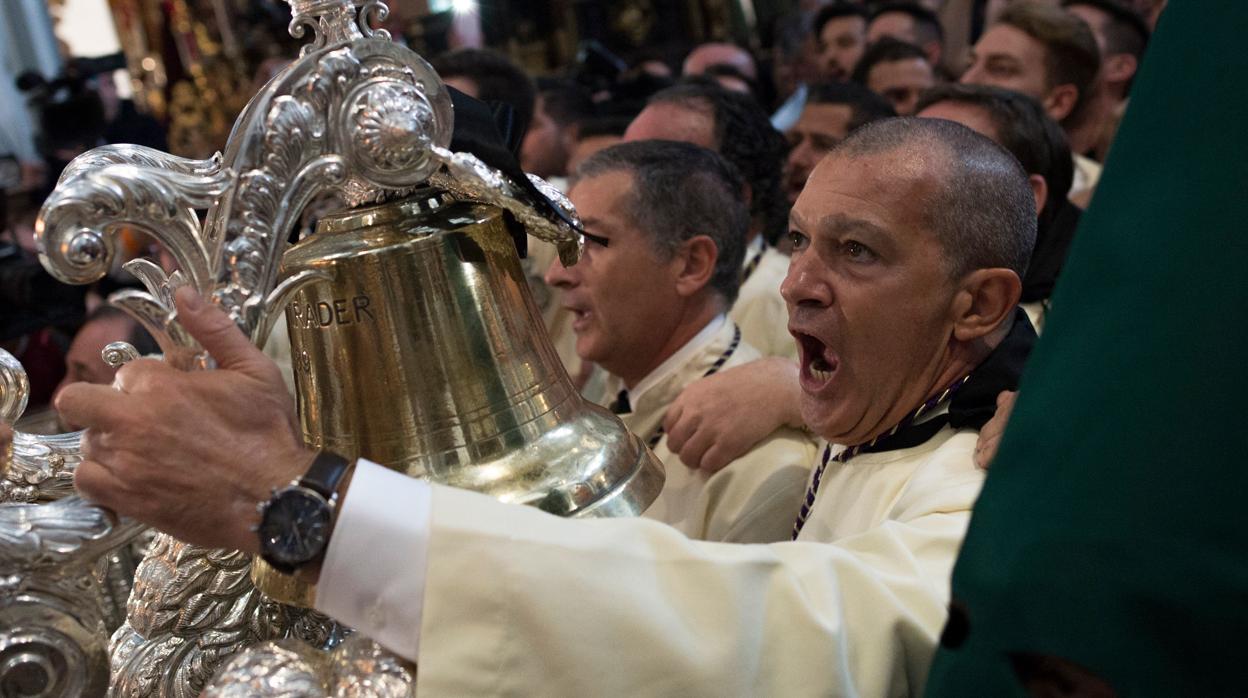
(682,356)
(757,247)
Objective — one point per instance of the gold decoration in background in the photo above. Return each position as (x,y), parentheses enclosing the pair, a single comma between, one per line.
(136,22)
(199,87)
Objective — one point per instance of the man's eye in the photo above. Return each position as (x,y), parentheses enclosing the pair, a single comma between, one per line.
(857,251)
(797,240)
(1001,69)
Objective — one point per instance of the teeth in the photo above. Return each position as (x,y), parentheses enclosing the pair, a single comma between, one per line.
(820,375)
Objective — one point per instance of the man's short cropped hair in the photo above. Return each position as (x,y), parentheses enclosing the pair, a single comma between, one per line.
(565,101)
(865,105)
(886,50)
(1071,54)
(497,78)
(1126,31)
(927,25)
(745,137)
(836,10)
(1023,127)
(681,190)
(983,213)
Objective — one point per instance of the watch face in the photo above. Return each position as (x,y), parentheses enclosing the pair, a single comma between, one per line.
(295,526)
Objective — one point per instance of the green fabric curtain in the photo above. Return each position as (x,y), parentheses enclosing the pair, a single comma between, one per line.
(1112,530)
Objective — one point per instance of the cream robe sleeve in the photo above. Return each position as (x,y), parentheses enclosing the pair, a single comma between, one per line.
(521,603)
(760,311)
(513,601)
(753,500)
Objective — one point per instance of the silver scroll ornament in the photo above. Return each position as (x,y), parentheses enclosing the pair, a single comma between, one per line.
(356,117)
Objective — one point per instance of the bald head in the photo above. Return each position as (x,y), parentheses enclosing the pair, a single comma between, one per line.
(713,54)
(980,205)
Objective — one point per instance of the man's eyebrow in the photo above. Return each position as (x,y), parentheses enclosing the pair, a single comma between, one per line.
(1001,58)
(841,223)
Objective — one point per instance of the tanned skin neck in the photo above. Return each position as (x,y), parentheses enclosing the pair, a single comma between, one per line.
(693,318)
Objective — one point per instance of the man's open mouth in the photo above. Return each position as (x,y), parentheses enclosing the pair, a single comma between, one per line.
(818,361)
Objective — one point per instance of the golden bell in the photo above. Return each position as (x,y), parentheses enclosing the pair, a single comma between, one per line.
(425,352)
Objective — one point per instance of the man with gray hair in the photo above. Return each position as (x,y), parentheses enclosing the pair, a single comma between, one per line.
(650,308)
(906,315)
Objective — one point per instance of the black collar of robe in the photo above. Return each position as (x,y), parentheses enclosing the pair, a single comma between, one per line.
(973,404)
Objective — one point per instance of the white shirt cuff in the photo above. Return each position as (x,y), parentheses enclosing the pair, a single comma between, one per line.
(373,576)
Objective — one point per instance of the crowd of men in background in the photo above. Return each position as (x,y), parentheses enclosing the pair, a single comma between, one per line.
(1047,80)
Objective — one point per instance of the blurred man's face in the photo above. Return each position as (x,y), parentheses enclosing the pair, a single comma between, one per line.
(1008,57)
(841,44)
(83,363)
(817,131)
(673,122)
(901,82)
(707,55)
(869,293)
(968,115)
(622,297)
(546,144)
(898,25)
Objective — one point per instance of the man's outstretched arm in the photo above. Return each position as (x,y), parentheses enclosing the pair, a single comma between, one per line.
(493,598)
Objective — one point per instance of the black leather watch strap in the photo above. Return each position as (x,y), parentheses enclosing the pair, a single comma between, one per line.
(325,474)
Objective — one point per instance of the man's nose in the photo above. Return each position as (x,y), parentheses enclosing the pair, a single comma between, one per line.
(560,276)
(805,283)
(971,76)
(804,157)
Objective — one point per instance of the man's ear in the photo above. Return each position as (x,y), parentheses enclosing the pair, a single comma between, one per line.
(694,264)
(986,299)
(1119,68)
(569,134)
(1060,101)
(1039,189)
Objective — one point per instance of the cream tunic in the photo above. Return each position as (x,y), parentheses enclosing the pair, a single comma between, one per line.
(759,310)
(497,599)
(753,499)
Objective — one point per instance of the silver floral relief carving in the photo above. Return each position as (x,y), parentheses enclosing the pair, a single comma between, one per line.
(359,668)
(191,609)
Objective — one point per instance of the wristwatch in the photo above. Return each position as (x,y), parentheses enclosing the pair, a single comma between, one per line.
(296,521)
